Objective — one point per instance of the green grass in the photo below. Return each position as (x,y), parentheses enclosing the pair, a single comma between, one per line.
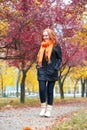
(16,102)
(77,122)
(34,101)
(29,101)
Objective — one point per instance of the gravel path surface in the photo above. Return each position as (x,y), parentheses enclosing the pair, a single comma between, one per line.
(19,118)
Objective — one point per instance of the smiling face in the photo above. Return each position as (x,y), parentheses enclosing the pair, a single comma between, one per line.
(46,36)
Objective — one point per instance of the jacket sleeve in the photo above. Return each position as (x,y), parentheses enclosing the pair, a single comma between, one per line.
(37,66)
(58,53)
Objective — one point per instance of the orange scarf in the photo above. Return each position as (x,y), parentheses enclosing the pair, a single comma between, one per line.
(47,48)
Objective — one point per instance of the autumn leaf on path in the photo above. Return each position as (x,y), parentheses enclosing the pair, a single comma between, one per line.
(27,128)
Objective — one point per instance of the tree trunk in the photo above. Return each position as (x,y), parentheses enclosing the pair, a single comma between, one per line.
(61,91)
(83,86)
(75,88)
(17,84)
(61,80)
(86,87)
(83,89)
(60,85)
(61,88)
(22,98)
(74,91)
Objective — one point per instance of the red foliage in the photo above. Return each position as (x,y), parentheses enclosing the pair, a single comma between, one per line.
(25,26)
(68,16)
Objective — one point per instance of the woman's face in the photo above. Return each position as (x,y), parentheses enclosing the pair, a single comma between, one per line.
(46,36)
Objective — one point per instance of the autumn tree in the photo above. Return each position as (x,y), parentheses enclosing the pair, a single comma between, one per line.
(68,22)
(26,20)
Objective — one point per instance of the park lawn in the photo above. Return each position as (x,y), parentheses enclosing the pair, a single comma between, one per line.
(16,102)
(35,101)
(77,122)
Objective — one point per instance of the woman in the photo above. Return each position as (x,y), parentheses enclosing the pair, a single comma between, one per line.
(48,61)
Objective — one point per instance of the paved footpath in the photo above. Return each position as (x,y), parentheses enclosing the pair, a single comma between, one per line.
(19,118)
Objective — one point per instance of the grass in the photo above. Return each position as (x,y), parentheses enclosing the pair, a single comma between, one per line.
(28,102)
(16,102)
(77,122)
(34,101)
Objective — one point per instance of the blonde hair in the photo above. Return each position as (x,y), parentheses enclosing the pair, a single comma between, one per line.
(51,34)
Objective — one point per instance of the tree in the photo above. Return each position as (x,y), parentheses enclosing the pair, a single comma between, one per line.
(26,20)
(69,19)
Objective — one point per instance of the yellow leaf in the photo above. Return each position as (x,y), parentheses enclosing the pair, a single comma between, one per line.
(37,2)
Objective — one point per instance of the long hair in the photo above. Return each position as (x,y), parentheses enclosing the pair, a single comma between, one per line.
(51,34)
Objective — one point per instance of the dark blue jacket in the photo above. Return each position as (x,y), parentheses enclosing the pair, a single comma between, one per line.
(49,72)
